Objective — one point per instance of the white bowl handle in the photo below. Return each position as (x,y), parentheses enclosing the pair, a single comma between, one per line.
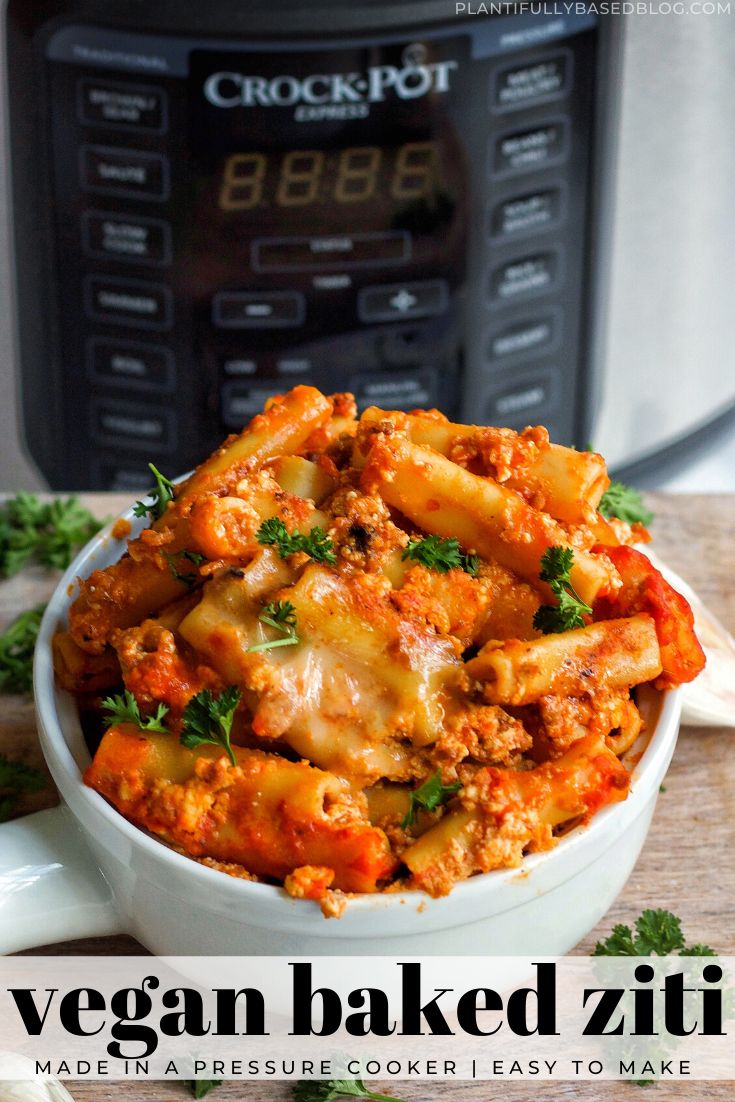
(50,887)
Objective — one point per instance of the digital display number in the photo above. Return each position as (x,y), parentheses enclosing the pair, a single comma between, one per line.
(303,173)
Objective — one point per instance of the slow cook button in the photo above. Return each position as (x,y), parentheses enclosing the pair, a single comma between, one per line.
(527,400)
(258,310)
(533,148)
(524,84)
(126,237)
(240,402)
(398,301)
(128,302)
(124,172)
(526,213)
(524,278)
(526,338)
(128,364)
(112,104)
(396,391)
(132,425)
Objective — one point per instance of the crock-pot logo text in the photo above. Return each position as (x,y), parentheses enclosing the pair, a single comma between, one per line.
(333,95)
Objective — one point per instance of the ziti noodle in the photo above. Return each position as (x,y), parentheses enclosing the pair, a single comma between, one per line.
(362,655)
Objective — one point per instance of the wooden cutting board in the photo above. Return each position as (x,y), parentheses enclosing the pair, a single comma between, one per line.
(687,866)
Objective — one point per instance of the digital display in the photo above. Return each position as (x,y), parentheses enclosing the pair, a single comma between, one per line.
(356,174)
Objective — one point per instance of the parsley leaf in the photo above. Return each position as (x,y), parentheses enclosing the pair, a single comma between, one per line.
(280,615)
(201,1087)
(324,1090)
(46,532)
(440,554)
(19,777)
(657,933)
(316,543)
(189,578)
(17,644)
(625,503)
(556,565)
(160,495)
(16,778)
(207,720)
(123,708)
(430,795)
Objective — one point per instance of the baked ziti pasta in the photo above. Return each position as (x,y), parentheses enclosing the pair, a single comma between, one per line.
(359,655)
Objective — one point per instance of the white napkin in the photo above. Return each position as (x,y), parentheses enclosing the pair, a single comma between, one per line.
(709,700)
(24,1088)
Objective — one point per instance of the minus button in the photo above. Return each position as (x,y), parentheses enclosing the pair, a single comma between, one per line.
(253,310)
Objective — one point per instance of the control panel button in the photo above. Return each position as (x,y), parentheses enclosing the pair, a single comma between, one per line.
(132,424)
(403,300)
(532,148)
(116,237)
(342,251)
(396,391)
(534,82)
(258,310)
(539,210)
(125,172)
(237,367)
(128,302)
(526,338)
(527,276)
(128,364)
(114,474)
(240,402)
(294,365)
(525,400)
(111,104)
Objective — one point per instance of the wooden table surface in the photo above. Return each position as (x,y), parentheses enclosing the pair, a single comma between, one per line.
(687,865)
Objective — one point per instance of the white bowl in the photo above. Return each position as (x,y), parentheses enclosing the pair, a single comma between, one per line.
(82,869)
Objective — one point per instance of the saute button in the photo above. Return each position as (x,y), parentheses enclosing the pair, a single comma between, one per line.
(526,213)
(128,364)
(524,400)
(396,391)
(253,310)
(128,302)
(523,84)
(534,148)
(403,300)
(525,277)
(135,426)
(112,104)
(124,172)
(115,237)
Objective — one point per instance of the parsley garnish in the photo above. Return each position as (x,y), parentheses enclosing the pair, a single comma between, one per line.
(207,720)
(430,795)
(556,565)
(316,544)
(280,615)
(189,577)
(201,1087)
(16,778)
(160,495)
(324,1090)
(657,933)
(442,555)
(625,503)
(17,644)
(46,532)
(123,708)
